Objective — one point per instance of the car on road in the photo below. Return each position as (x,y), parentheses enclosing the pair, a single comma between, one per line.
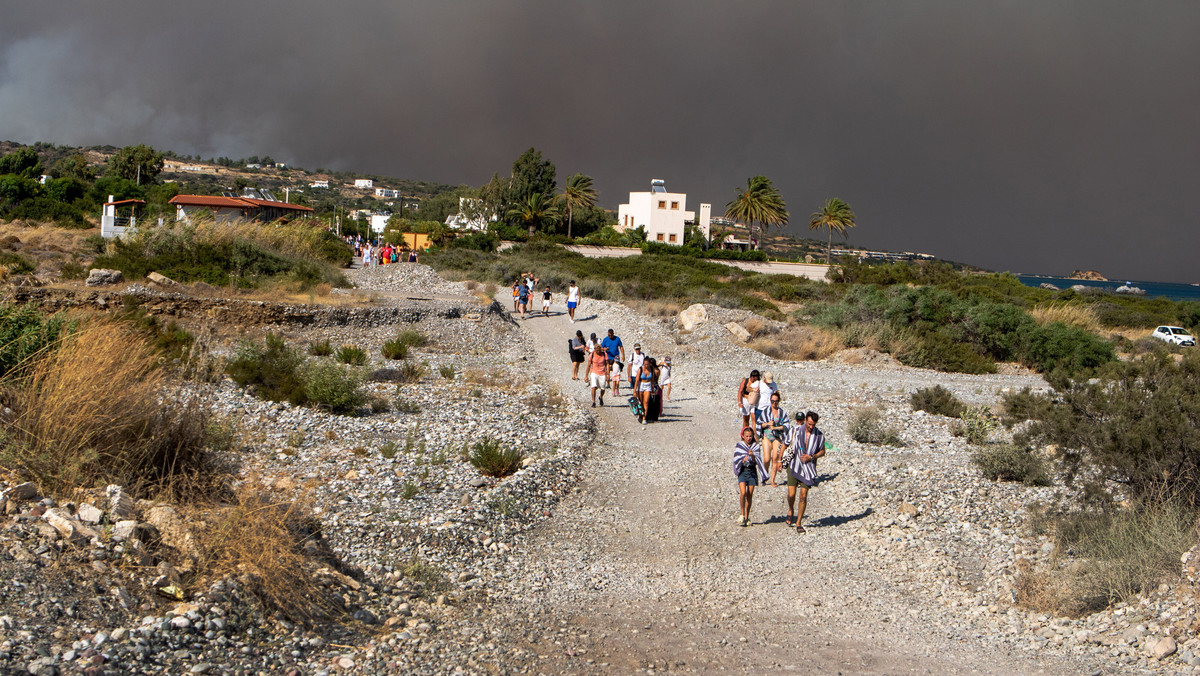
(1175,335)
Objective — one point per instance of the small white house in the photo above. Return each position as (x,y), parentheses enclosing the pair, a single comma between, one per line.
(387,193)
(470,216)
(365,183)
(319,184)
(118,217)
(661,213)
(378,222)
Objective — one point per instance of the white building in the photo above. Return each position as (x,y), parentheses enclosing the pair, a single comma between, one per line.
(470,216)
(364,183)
(378,222)
(661,213)
(387,192)
(319,184)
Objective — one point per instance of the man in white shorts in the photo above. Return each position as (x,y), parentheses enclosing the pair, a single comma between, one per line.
(546,302)
(572,300)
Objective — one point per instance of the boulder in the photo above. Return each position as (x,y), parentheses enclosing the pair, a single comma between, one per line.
(1163,648)
(1048,285)
(172,530)
(101,277)
(89,514)
(692,317)
(1191,565)
(20,492)
(70,529)
(120,505)
(161,281)
(125,529)
(738,331)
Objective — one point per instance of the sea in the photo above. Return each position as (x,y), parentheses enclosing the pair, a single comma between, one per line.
(1153,289)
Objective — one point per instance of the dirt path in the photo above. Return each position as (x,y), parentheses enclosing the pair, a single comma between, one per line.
(646,561)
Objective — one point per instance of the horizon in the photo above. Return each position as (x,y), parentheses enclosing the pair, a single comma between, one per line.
(1035,136)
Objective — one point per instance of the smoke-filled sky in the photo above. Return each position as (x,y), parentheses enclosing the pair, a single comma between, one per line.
(1035,136)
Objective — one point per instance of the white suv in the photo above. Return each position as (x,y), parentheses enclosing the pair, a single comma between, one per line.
(1175,335)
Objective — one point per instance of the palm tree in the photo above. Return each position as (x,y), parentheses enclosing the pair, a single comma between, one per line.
(759,203)
(536,212)
(577,193)
(835,215)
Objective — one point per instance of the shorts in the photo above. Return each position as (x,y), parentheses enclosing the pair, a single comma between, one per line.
(644,387)
(545,305)
(793,481)
(597,380)
(747,409)
(749,474)
(577,356)
(571,304)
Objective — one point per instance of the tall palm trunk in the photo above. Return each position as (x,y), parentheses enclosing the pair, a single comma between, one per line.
(829,251)
(570,213)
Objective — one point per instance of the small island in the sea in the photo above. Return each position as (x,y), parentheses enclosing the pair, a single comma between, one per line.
(1090,275)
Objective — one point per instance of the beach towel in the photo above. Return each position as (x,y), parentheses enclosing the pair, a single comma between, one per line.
(742,453)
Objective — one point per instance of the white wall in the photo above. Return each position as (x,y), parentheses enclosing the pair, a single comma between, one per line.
(666,220)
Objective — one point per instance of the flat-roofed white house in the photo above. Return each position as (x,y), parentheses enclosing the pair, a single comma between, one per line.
(319,184)
(364,183)
(387,193)
(661,213)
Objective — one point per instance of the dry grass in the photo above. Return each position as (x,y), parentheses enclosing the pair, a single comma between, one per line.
(756,327)
(656,308)
(95,410)
(798,343)
(273,547)
(42,240)
(492,377)
(1072,315)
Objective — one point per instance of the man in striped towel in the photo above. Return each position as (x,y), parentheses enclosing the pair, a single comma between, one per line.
(806,443)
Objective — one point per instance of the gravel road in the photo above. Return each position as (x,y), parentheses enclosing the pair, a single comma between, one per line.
(648,568)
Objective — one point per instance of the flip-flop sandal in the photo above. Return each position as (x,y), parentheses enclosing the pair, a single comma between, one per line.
(800,530)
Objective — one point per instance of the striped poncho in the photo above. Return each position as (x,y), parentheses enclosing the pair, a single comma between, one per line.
(802,443)
(743,454)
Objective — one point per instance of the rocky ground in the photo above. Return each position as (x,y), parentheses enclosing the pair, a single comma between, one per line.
(615,549)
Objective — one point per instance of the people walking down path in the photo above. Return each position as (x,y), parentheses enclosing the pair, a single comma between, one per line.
(577,347)
(598,374)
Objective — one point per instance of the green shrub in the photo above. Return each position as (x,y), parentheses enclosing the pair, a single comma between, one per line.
(352,355)
(1125,551)
(980,423)
(388,450)
(394,349)
(1136,426)
(16,263)
(1069,349)
(935,350)
(867,427)
(411,372)
(320,349)
(271,369)
(333,387)
(446,371)
(25,333)
(72,270)
(402,405)
(1010,462)
(411,489)
(492,458)
(412,338)
(937,400)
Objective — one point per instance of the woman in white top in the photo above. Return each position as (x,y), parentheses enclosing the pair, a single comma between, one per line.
(664,378)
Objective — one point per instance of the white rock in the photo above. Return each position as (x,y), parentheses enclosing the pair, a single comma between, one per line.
(89,513)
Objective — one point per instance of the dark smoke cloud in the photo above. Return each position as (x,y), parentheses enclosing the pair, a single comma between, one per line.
(1031,136)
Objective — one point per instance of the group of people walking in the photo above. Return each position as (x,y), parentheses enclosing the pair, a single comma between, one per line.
(771,442)
(524,288)
(607,366)
(375,254)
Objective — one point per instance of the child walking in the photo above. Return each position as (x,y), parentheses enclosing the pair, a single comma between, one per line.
(749,470)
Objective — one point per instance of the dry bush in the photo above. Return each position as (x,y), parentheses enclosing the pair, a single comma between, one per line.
(1082,316)
(274,548)
(798,343)
(657,308)
(756,327)
(97,409)
(1054,592)
(493,377)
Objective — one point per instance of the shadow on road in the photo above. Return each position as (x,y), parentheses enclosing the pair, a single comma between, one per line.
(839,520)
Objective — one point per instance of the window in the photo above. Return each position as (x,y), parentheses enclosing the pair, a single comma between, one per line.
(675,205)
(672,239)
(660,236)
(662,204)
